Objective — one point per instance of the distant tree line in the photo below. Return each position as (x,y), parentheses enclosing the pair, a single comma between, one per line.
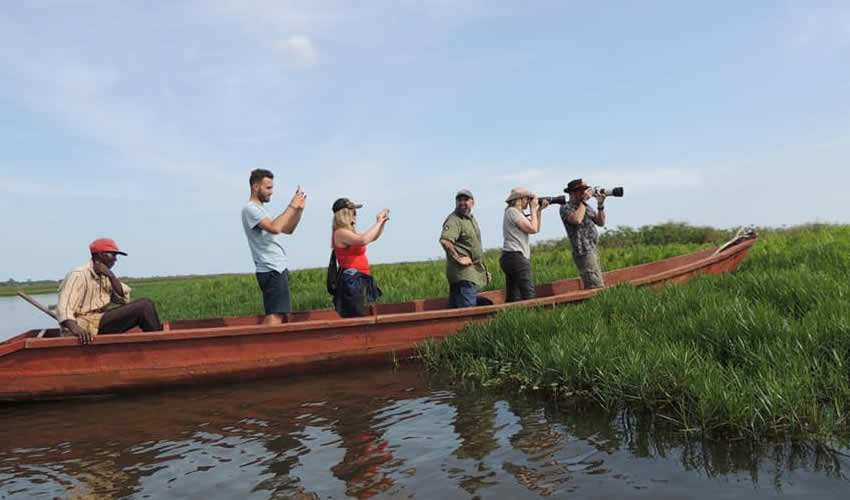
(29,282)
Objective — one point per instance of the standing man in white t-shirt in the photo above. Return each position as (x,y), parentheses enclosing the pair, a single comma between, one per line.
(263,235)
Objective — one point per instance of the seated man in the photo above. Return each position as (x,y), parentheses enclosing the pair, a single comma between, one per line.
(87,291)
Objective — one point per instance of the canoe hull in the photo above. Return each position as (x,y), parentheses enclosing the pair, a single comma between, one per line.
(230,349)
(56,373)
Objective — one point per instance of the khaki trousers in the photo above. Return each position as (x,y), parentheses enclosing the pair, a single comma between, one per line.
(591,271)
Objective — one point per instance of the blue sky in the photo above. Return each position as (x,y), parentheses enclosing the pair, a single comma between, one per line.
(141,120)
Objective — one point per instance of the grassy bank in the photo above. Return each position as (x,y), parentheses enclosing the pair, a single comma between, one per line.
(425,279)
(765,350)
(236,295)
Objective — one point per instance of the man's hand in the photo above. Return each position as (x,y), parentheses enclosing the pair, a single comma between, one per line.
(383,216)
(534,203)
(600,198)
(586,194)
(102,269)
(464,260)
(299,199)
(544,204)
(85,336)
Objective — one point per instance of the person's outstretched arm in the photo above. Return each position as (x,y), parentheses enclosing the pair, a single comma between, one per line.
(349,238)
(288,220)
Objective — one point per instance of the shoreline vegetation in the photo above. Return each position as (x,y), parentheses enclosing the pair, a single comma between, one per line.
(762,351)
(676,238)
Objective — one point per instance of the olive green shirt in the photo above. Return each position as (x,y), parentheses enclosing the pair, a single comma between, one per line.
(465,235)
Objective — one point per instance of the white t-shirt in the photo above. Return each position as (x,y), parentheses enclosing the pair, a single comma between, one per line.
(516,240)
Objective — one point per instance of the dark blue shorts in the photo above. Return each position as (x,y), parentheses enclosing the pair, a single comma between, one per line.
(275,287)
(462,294)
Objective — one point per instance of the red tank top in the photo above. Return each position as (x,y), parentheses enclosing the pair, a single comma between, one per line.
(352,257)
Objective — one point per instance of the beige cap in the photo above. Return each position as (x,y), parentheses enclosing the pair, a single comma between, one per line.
(519,192)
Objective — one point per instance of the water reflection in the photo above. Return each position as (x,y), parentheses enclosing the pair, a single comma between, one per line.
(380,434)
(552,456)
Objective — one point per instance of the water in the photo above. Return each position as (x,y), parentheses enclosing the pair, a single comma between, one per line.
(18,316)
(381,434)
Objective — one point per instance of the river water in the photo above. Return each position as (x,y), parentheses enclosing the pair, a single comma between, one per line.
(18,316)
(381,434)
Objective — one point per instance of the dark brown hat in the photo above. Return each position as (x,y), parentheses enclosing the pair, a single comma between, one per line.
(345,203)
(576,185)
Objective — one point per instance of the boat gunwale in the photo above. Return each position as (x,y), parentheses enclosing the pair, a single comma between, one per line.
(404,317)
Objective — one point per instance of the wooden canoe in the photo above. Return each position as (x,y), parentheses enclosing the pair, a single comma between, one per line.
(39,364)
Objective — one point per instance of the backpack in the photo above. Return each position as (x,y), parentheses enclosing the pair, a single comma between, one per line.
(333,274)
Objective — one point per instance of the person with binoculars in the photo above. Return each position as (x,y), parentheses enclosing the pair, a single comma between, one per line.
(580,221)
(516,253)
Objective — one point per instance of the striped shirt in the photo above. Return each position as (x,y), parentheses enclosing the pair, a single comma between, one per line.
(84,297)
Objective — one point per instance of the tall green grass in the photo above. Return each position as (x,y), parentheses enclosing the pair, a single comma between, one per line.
(236,295)
(764,350)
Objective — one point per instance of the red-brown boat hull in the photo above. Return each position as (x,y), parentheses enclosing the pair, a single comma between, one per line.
(232,348)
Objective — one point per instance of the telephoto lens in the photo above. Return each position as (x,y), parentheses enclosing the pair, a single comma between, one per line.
(615,191)
(554,200)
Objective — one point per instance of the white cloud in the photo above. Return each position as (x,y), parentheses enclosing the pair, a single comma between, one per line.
(300,47)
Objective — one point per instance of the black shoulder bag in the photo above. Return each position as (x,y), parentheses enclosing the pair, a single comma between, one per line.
(333,274)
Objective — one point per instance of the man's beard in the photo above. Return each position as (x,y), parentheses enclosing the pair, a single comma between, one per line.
(464,211)
(264,198)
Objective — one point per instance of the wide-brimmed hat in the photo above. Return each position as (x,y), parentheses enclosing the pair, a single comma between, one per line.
(102,245)
(519,192)
(341,203)
(576,185)
(464,192)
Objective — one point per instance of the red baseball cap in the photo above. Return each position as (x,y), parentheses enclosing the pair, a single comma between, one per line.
(104,245)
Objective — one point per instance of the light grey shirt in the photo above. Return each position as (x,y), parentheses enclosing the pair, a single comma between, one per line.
(516,240)
(266,248)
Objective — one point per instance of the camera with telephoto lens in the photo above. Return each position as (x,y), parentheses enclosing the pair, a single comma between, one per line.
(553,200)
(615,191)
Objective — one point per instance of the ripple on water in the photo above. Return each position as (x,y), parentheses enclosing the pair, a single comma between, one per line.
(371,433)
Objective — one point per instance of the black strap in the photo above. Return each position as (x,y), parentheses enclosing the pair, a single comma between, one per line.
(333,274)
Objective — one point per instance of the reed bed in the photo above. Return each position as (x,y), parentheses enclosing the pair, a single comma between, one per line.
(237,295)
(761,351)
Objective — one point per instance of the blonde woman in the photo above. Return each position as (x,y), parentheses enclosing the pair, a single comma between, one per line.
(516,253)
(355,283)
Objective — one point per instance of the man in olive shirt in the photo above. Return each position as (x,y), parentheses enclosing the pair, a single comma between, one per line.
(461,238)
